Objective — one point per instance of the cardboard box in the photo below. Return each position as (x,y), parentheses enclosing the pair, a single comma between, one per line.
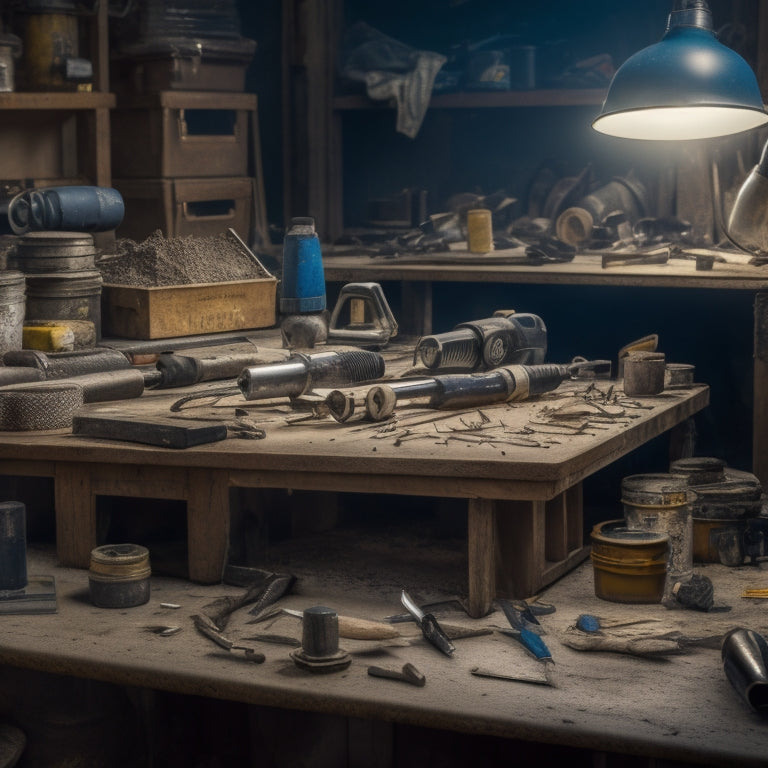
(184,207)
(183,134)
(187,310)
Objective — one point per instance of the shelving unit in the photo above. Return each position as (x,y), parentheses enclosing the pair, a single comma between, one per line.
(580,97)
(62,136)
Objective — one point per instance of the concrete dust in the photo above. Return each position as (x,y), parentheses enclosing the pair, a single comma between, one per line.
(160,262)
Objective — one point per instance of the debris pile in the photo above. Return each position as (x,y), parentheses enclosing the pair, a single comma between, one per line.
(161,262)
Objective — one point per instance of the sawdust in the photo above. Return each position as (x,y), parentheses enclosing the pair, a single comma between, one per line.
(160,262)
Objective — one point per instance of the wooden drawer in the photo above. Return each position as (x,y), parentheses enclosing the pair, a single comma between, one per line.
(183,207)
(183,134)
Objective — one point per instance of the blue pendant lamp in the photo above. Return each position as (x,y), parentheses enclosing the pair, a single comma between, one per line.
(686,86)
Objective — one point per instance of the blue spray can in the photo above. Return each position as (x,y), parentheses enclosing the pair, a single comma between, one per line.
(303,284)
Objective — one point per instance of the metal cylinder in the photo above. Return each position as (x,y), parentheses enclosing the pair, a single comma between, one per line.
(745,663)
(303,283)
(644,374)
(320,650)
(479,230)
(12,309)
(119,576)
(54,252)
(660,503)
(13,545)
(66,296)
(80,208)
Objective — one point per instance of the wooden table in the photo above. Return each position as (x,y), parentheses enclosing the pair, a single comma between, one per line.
(417,273)
(679,709)
(520,475)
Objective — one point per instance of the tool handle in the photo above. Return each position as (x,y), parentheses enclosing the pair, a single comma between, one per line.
(434,633)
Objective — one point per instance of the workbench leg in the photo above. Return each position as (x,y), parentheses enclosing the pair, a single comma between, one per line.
(564,522)
(415,308)
(207,524)
(521,531)
(75,503)
(760,395)
(481,535)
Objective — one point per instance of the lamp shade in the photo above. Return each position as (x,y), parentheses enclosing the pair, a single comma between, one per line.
(687,86)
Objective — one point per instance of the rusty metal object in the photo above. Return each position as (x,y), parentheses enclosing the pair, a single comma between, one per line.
(320,652)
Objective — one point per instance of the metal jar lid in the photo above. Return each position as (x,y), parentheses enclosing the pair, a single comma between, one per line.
(119,562)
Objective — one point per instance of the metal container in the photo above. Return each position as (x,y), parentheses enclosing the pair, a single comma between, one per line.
(724,502)
(479,230)
(303,286)
(71,209)
(13,545)
(10,50)
(65,296)
(644,374)
(629,566)
(659,503)
(119,576)
(12,308)
(54,252)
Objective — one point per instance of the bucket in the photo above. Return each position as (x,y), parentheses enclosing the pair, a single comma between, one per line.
(12,308)
(51,252)
(660,503)
(629,566)
(119,576)
(65,296)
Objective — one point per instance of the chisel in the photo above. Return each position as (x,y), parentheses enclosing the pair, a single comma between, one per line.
(431,630)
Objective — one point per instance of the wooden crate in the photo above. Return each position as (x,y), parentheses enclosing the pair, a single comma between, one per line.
(186,310)
(182,134)
(186,207)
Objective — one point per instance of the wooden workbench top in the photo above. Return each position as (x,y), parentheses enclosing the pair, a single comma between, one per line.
(682,708)
(527,442)
(348,264)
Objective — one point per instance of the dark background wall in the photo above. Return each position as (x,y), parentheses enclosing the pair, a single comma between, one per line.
(485,150)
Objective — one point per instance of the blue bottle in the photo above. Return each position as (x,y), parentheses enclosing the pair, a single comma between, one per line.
(303,284)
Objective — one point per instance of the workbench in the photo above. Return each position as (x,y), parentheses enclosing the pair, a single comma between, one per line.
(417,273)
(519,471)
(681,708)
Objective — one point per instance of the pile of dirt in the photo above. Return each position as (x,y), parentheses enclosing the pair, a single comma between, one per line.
(159,261)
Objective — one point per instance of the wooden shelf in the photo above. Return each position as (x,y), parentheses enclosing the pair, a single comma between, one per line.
(490,99)
(57,100)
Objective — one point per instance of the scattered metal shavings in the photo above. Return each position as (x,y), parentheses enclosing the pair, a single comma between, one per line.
(162,630)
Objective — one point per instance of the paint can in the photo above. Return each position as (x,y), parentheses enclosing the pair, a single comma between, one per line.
(724,502)
(65,296)
(660,503)
(629,566)
(53,252)
(13,545)
(12,309)
(119,576)
(479,230)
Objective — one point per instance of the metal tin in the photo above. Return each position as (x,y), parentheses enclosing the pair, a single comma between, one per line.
(479,230)
(660,503)
(678,376)
(724,501)
(630,566)
(65,296)
(53,252)
(12,309)
(644,374)
(119,576)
